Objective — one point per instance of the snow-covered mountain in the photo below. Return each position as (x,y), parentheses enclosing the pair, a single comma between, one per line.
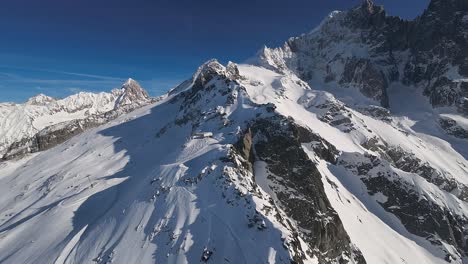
(365,50)
(290,158)
(23,124)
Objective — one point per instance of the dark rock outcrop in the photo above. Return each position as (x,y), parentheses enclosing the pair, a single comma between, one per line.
(298,185)
(418,212)
(371,81)
(453,128)
(133,95)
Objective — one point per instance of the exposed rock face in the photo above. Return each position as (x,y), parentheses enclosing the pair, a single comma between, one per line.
(453,128)
(335,114)
(438,41)
(408,162)
(376,112)
(429,52)
(298,187)
(202,84)
(419,213)
(421,217)
(370,80)
(132,94)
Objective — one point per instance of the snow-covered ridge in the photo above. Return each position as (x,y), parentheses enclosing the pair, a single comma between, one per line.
(23,121)
(365,50)
(242,165)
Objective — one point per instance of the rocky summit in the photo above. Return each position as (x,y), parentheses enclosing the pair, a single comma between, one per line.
(349,144)
(365,49)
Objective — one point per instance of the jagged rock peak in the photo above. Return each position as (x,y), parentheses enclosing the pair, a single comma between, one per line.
(209,67)
(367,14)
(40,99)
(212,68)
(132,93)
(208,71)
(273,59)
(369,7)
(132,86)
(130,81)
(232,70)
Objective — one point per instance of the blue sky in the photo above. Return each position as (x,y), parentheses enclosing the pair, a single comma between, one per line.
(60,47)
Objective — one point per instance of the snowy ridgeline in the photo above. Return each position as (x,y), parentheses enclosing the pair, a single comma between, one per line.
(194,178)
(22,123)
(286,160)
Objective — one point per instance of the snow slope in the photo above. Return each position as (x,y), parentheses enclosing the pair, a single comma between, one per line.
(142,189)
(380,236)
(120,193)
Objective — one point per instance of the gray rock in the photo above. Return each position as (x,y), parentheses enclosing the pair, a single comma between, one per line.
(366,49)
(277,141)
(452,128)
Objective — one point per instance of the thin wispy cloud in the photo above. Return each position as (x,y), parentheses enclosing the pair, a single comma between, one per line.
(102,77)
(8,75)
(20,76)
(72,82)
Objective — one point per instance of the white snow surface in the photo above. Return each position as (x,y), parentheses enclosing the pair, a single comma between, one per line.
(19,121)
(142,189)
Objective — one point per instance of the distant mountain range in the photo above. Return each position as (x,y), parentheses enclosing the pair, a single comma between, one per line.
(25,125)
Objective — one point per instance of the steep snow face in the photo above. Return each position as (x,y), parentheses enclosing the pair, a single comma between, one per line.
(23,121)
(378,181)
(241,164)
